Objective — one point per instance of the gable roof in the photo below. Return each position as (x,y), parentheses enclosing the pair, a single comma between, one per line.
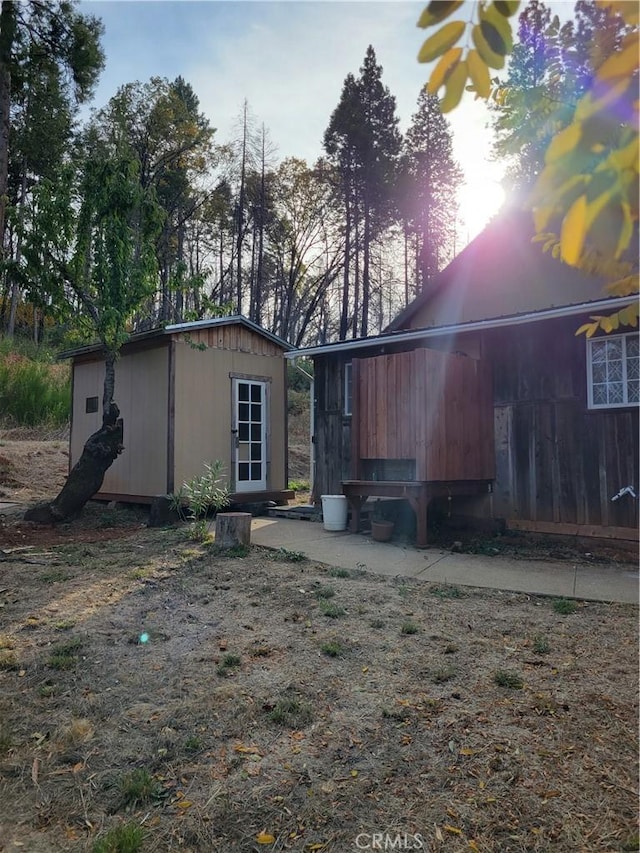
(500,273)
(177,328)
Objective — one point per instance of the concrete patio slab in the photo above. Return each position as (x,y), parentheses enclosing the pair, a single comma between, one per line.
(537,577)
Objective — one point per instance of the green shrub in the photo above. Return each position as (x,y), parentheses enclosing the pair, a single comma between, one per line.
(127,838)
(33,393)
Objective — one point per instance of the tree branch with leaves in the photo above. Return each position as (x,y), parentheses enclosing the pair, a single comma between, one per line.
(585,199)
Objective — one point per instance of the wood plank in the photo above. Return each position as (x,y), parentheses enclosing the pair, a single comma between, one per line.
(563,529)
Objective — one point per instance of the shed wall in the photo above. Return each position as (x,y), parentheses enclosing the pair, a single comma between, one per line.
(203,407)
(558,464)
(141,392)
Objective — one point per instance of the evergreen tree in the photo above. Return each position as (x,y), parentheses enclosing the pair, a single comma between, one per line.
(50,58)
(428,198)
(159,123)
(550,69)
(36,34)
(363,143)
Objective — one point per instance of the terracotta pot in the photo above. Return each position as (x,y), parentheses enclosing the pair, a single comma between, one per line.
(381,531)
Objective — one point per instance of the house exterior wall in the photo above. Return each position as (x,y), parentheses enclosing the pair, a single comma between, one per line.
(141,392)
(203,406)
(558,462)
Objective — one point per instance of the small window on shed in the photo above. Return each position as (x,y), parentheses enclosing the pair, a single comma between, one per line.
(348,388)
(613,365)
(91,405)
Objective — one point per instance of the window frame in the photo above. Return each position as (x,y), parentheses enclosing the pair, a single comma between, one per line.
(347,408)
(626,403)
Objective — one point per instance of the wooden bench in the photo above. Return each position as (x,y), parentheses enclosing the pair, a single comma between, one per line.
(418,493)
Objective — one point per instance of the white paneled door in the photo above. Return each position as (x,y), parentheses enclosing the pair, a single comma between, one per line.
(250,428)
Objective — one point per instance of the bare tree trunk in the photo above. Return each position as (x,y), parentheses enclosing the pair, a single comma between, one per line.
(87,475)
(15,287)
(7,37)
(344,314)
(240,218)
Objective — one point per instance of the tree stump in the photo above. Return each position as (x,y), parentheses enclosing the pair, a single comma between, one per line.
(233,529)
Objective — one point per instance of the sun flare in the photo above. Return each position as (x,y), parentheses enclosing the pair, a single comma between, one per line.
(480,199)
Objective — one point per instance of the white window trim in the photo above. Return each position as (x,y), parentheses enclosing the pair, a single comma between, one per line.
(602,406)
(348,385)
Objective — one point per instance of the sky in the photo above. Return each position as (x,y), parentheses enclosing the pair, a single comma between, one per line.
(288,58)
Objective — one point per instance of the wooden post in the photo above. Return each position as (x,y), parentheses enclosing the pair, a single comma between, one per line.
(233,529)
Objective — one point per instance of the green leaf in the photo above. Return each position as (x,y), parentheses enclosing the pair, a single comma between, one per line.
(437,11)
(443,69)
(479,73)
(564,142)
(454,88)
(507,8)
(441,41)
(492,59)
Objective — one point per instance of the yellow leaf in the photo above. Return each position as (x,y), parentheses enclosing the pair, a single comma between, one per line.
(454,88)
(629,12)
(441,41)
(496,29)
(574,229)
(265,838)
(479,73)
(473,846)
(563,142)
(588,329)
(437,11)
(184,804)
(507,7)
(623,62)
(626,232)
(354,773)
(316,846)
(246,750)
(452,829)
(466,751)
(443,69)
(493,59)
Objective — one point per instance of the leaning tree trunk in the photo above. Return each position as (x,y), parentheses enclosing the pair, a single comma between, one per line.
(99,453)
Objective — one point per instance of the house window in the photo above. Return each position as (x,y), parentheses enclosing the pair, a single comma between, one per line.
(348,388)
(91,405)
(613,366)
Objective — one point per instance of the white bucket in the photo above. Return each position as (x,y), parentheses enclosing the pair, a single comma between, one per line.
(334,512)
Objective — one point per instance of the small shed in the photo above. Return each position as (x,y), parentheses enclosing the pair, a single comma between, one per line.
(190,394)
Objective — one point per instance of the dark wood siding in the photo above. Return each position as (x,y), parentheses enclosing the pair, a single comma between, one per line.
(332,428)
(557,461)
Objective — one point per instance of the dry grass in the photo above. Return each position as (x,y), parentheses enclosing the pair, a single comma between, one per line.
(398,732)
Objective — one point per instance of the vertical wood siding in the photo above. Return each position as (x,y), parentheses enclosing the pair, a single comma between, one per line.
(431,406)
(557,461)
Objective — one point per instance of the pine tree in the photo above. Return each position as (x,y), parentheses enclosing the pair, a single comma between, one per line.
(363,144)
(428,198)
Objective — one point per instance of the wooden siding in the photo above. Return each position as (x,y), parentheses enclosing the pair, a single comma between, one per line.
(558,464)
(233,337)
(203,409)
(141,392)
(332,428)
(431,406)
(557,461)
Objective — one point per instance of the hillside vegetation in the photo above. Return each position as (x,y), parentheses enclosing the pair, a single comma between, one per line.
(34,390)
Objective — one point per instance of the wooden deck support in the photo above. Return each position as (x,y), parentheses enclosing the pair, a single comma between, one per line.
(418,493)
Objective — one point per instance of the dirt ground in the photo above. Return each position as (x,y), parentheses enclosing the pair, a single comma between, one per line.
(261,701)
